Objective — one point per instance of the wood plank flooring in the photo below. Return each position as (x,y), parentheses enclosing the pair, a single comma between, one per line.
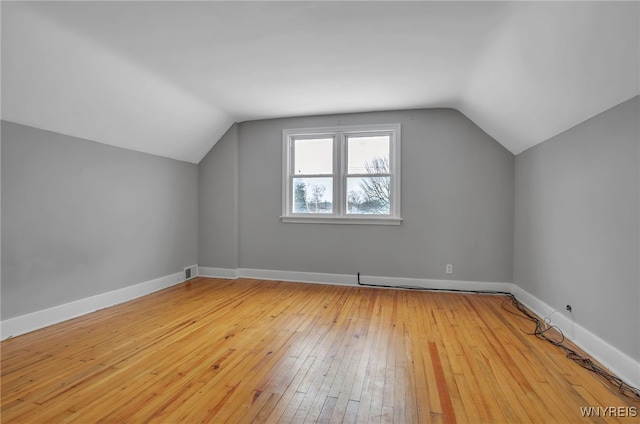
(243,351)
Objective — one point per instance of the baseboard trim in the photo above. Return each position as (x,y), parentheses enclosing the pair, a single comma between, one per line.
(227,273)
(609,356)
(297,276)
(348,279)
(352,280)
(22,324)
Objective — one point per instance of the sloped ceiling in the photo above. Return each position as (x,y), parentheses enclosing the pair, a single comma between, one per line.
(169,78)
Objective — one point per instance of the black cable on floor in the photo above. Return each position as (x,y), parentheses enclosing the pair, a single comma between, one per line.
(583,361)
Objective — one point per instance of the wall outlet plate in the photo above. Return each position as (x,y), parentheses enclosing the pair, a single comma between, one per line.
(449,269)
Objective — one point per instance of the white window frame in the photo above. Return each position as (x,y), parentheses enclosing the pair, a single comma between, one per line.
(339,135)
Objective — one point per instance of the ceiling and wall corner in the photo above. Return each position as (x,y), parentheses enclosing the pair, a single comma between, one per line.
(169,78)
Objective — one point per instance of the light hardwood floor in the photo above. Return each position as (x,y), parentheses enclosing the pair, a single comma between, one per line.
(213,350)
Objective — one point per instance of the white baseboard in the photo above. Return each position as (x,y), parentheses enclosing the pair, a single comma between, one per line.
(609,356)
(352,280)
(349,279)
(33,321)
(227,273)
(296,276)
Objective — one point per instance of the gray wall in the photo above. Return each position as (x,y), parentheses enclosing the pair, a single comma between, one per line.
(577,224)
(81,218)
(218,205)
(457,205)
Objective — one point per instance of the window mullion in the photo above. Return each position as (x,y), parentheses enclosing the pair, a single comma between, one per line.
(370,175)
(343,174)
(337,171)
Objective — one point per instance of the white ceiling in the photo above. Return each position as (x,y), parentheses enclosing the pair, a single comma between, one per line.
(169,78)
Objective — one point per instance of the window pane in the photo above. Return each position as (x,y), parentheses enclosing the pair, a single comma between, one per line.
(313,195)
(369,195)
(368,155)
(313,156)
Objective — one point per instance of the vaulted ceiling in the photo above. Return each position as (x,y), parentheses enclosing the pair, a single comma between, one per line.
(169,78)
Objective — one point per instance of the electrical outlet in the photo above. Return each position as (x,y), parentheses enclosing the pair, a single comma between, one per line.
(449,269)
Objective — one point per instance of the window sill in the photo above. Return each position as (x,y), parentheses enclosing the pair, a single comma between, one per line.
(341,220)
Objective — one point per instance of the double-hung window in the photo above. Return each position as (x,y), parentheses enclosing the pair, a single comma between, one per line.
(342,175)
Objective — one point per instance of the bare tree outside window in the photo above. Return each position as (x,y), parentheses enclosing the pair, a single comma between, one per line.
(371,195)
(313,195)
(317,193)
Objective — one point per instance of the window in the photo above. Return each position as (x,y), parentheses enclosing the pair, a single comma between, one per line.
(342,175)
